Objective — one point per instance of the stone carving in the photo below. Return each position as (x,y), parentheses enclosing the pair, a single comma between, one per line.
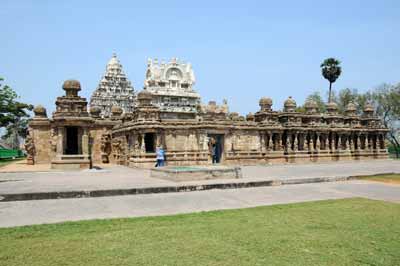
(290,105)
(30,149)
(71,105)
(114,89)
(105,148)
(212,111)
(311,107)
(118,151)
(172,88)
(40,112)
(265,104)
(54,139)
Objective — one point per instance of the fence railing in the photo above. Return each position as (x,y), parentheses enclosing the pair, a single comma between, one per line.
(8,153)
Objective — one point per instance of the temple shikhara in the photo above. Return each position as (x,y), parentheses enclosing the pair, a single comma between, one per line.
(123,127)
(114,89)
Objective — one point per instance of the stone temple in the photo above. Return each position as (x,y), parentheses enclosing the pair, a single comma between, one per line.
(114,89)
(168,112)
(171,85)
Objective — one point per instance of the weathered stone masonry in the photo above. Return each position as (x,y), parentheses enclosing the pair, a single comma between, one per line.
(168,112)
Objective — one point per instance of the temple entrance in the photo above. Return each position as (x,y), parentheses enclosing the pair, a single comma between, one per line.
(216,146)
(149,142)
(72,146)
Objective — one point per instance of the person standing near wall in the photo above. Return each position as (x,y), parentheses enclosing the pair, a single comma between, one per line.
(160,156)
(214,153)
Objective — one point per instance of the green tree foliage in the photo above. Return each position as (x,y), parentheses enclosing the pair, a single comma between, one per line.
(346,96)
(14,115)
(387,105)
(331,71)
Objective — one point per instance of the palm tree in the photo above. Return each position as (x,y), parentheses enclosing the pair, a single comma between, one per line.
(331,71)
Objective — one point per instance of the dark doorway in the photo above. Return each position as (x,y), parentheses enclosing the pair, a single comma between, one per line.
(149,142)
(72,140)
(216,146)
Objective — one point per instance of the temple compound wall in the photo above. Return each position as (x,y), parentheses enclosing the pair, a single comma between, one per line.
(168,113)
(267,136)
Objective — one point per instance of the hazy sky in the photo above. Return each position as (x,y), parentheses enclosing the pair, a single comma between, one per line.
(240,50)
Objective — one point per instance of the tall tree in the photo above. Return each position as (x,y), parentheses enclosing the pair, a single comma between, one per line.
(13,115)
(331,71)
(387,101)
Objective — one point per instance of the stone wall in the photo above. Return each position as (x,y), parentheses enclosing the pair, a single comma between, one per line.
(42,139)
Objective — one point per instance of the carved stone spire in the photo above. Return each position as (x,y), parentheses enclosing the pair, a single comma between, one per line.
(114,89)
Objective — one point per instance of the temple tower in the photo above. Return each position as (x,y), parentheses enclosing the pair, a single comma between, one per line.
(172,88)
(114,89)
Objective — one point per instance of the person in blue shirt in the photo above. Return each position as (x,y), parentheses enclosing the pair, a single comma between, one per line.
(214,153)
(160,156)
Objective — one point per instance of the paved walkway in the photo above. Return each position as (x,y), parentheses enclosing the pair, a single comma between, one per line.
(121,177)
(51,211)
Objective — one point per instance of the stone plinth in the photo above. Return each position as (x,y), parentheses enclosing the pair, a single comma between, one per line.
(71,162)
(190,173)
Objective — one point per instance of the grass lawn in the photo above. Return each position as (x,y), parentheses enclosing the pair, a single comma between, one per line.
(391,178)
(335,232)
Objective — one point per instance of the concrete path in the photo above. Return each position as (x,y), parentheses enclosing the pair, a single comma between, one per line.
(120,177)
(51,211)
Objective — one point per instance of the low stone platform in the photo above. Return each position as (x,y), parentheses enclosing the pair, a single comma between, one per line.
(192,173)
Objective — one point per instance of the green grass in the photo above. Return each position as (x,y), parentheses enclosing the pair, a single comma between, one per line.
(390,178)
(335,232)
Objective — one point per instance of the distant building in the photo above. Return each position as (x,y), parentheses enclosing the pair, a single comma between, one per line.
(114,89)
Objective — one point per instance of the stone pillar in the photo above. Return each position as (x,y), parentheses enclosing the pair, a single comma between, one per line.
(270,144)
(158,139)
(143,145)
(358,141)
(85,142)
(295,142)
(280,144)
(288,144)
(339,145)
(352,145)
(370,144)
(364,142)
(206,140)
(326,142)
(80,134)
(382,141)
(301,141)
(60,141)
(318,142)
(274,141)
(333,142)
(262,142)
(344,142)
(311,143)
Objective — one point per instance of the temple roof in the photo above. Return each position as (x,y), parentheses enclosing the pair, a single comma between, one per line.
(114,89)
